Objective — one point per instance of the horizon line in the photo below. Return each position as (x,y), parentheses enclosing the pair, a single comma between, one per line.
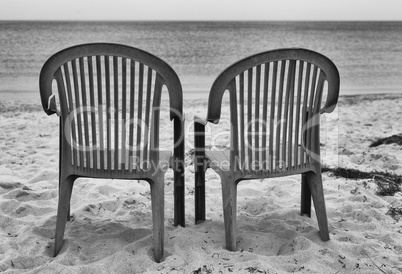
(197,20)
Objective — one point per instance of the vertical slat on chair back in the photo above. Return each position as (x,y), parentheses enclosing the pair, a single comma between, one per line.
(110,103)
(274,107)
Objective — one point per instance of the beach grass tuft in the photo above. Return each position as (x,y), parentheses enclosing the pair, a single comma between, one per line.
(388,184)
(394,212)
(394,139)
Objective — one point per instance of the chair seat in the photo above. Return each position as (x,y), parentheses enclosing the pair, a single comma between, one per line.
(219,161)
(129,168)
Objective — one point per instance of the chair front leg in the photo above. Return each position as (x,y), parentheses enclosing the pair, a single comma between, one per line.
(229,200)
(63,210)
(158,215)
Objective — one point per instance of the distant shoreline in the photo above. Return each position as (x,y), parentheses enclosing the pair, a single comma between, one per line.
(34,96)
(196,21)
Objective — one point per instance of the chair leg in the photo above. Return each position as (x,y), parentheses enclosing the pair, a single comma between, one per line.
(158,216)
(179,201)
(305,204)
(69,209)
(179,206)
(317,192)
(69,199)
(199,170)
(199,188)
(229,199)
(66,187)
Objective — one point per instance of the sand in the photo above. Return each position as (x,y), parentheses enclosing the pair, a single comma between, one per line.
(111,227)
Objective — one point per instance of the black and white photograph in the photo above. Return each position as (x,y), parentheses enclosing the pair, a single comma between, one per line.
(215,136)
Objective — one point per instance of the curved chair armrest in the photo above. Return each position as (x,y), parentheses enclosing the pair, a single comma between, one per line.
(330,104)
(52,105)
(333,90)
(198,120)
(47,97)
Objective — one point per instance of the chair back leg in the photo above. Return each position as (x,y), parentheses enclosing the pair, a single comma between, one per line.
(178,166)
(199,191)
(305,204)
(200,167)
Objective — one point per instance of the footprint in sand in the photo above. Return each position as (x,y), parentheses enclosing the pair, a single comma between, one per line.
(26,194)
(9,184)
(299,243)
(44,175)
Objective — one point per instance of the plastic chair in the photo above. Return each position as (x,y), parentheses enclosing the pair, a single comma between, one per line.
(108,98)
(275,106)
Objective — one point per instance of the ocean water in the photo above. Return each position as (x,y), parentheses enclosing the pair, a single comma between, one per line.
(367,54)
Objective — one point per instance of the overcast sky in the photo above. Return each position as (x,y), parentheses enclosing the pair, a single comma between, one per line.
(201,10)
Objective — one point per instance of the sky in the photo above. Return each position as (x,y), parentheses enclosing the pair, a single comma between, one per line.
(201,10)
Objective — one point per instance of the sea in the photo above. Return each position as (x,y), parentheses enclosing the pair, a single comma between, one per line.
(367,54)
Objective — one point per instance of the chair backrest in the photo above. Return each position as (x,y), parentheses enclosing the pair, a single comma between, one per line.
(275,102)
(109,99)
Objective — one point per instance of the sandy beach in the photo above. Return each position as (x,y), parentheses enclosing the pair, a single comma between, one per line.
(111,226)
